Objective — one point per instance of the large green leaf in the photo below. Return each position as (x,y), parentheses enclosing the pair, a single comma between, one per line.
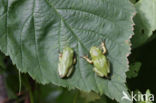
(145,21)
(34,31)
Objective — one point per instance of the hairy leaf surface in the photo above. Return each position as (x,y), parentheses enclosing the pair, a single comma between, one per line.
(33,32)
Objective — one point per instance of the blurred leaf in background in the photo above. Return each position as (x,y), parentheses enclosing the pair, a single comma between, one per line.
(145,21)
(145,54)
(54,94)
(90,97)
(134,70)
(2,64)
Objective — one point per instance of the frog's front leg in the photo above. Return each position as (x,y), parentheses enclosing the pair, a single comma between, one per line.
(103,47)
(60,56)
(70,71)
(87,59)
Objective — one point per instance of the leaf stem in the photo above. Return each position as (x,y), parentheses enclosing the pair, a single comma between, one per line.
(20,82)
(75,97)
(29,90)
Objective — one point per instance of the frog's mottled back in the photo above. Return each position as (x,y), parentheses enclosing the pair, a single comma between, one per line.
(65,61)
(101,64)
(67,55)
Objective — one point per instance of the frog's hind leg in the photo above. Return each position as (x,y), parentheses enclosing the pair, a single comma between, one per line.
(108,70)
(70,71)
(103,47)
(98,72)
(74,61)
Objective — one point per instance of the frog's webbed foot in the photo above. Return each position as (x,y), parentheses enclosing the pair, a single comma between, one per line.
(103,47)
(87,59)
(98,72)
(70,71)
(101,74)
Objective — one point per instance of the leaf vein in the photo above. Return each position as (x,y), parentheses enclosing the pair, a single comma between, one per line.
(36,42)
(87,12)
(21,39)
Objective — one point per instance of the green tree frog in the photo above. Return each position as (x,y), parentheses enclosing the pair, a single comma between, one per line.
(99,60)
(66,62)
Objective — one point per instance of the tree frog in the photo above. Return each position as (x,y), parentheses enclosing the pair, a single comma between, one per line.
(66,62)
(99,60)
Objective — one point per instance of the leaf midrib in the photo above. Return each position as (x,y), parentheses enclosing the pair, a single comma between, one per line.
(78,40)
(68,26)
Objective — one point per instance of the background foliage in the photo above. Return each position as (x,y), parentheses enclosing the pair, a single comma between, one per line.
(31,53)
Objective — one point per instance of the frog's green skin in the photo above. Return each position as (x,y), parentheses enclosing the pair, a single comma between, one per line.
(66,62)
(101,64)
